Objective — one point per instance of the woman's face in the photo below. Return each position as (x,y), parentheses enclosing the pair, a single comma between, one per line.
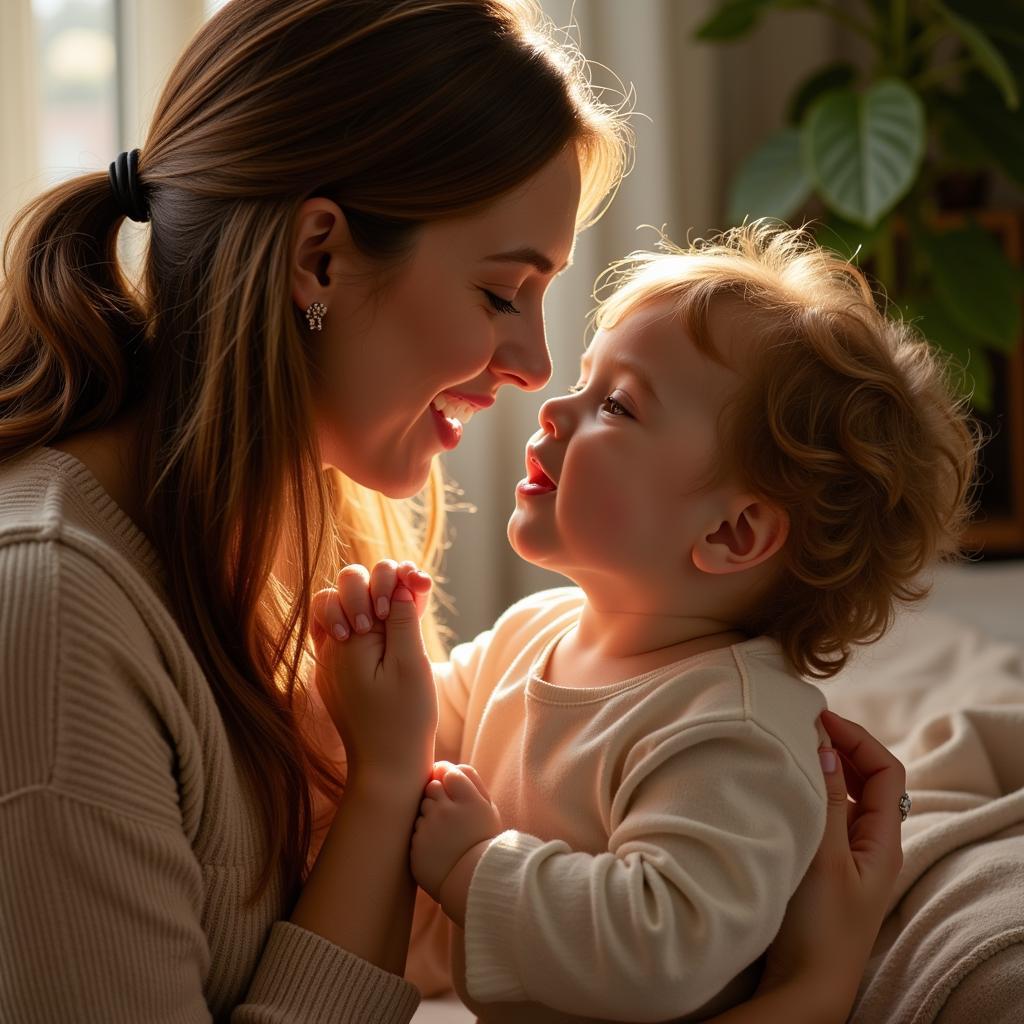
(404,367)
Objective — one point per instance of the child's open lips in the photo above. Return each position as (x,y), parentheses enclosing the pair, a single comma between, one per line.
(537,481)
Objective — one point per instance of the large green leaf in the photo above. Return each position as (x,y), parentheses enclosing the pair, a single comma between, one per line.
(976,285)
(972,371)
(984,52)
(772,181)
(863,150)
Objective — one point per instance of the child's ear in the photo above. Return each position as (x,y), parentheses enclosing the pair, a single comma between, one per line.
(751,532)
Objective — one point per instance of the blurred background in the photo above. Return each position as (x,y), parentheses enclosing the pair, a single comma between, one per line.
(894,124)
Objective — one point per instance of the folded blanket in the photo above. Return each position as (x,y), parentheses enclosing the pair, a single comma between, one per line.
(949,702)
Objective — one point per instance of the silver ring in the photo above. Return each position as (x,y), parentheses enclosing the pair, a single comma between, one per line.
(905,805)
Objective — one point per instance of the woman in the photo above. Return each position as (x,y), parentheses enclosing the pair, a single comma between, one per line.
(355,208)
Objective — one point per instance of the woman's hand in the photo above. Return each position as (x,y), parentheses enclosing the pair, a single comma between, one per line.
(833,918)
(374,675)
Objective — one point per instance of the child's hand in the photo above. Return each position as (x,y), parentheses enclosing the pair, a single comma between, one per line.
(456,814)
(373,673)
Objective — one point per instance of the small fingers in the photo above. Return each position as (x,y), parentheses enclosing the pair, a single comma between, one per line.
(460,787)
(474,776)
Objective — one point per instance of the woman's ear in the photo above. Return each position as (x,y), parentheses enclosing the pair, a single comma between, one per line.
(322,238)
(750,533)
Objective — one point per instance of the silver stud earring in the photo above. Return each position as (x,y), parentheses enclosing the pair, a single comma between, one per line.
(315,313)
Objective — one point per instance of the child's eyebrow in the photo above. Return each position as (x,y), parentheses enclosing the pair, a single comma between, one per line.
(627,366)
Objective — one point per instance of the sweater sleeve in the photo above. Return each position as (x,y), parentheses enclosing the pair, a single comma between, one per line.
(712,828)
(103,895)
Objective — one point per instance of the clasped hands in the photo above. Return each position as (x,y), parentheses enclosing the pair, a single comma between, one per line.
(457,818)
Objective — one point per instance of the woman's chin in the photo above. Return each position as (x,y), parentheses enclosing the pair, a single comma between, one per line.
(398,484)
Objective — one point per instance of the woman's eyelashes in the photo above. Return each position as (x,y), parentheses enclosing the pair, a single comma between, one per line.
(501,305)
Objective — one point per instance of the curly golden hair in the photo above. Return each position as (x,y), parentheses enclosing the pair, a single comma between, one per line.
(846,418)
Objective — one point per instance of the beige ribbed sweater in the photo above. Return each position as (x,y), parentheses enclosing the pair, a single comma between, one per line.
(128,839)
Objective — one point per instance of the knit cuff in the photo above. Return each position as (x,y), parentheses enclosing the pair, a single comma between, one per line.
(305,977)
(492,934)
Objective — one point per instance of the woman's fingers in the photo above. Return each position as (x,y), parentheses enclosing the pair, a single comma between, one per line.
(327,616)
(362,598)
(354,597)
(836,822)
(881,773)
(418,583)
(382,585)
(874,824)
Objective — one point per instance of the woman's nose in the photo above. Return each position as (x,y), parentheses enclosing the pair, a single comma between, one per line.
(523,359)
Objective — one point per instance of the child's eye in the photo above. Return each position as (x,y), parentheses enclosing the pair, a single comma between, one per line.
(614,408)
(500,304)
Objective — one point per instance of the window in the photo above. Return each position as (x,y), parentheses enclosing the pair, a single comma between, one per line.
(76,87)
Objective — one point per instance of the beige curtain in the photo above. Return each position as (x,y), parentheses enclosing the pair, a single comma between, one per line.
(705,106)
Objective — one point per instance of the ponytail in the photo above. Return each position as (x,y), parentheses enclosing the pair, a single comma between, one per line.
(72,334)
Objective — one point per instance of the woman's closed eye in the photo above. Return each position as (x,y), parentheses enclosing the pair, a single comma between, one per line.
(500,304)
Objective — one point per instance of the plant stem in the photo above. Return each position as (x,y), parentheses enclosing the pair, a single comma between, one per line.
(898,25)
(885,257)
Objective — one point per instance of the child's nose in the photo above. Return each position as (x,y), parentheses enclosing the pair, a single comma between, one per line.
(554,416)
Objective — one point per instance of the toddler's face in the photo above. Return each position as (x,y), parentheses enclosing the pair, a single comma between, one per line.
(617,490)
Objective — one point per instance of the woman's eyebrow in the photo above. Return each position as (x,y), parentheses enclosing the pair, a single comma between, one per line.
(527,254)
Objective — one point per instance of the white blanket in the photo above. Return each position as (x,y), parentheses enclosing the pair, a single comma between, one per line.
(949,702)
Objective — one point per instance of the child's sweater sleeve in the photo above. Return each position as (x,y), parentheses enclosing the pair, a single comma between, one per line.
(711,830)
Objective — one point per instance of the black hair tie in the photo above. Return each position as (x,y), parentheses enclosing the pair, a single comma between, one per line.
(124,182)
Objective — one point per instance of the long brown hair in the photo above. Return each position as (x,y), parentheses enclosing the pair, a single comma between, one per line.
(401,111)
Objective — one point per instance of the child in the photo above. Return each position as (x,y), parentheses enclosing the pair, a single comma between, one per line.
(754,466)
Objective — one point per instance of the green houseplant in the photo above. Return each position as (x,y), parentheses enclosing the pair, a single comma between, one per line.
(870,151)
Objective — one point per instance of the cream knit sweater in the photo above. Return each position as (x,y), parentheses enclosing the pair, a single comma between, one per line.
(128,839)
